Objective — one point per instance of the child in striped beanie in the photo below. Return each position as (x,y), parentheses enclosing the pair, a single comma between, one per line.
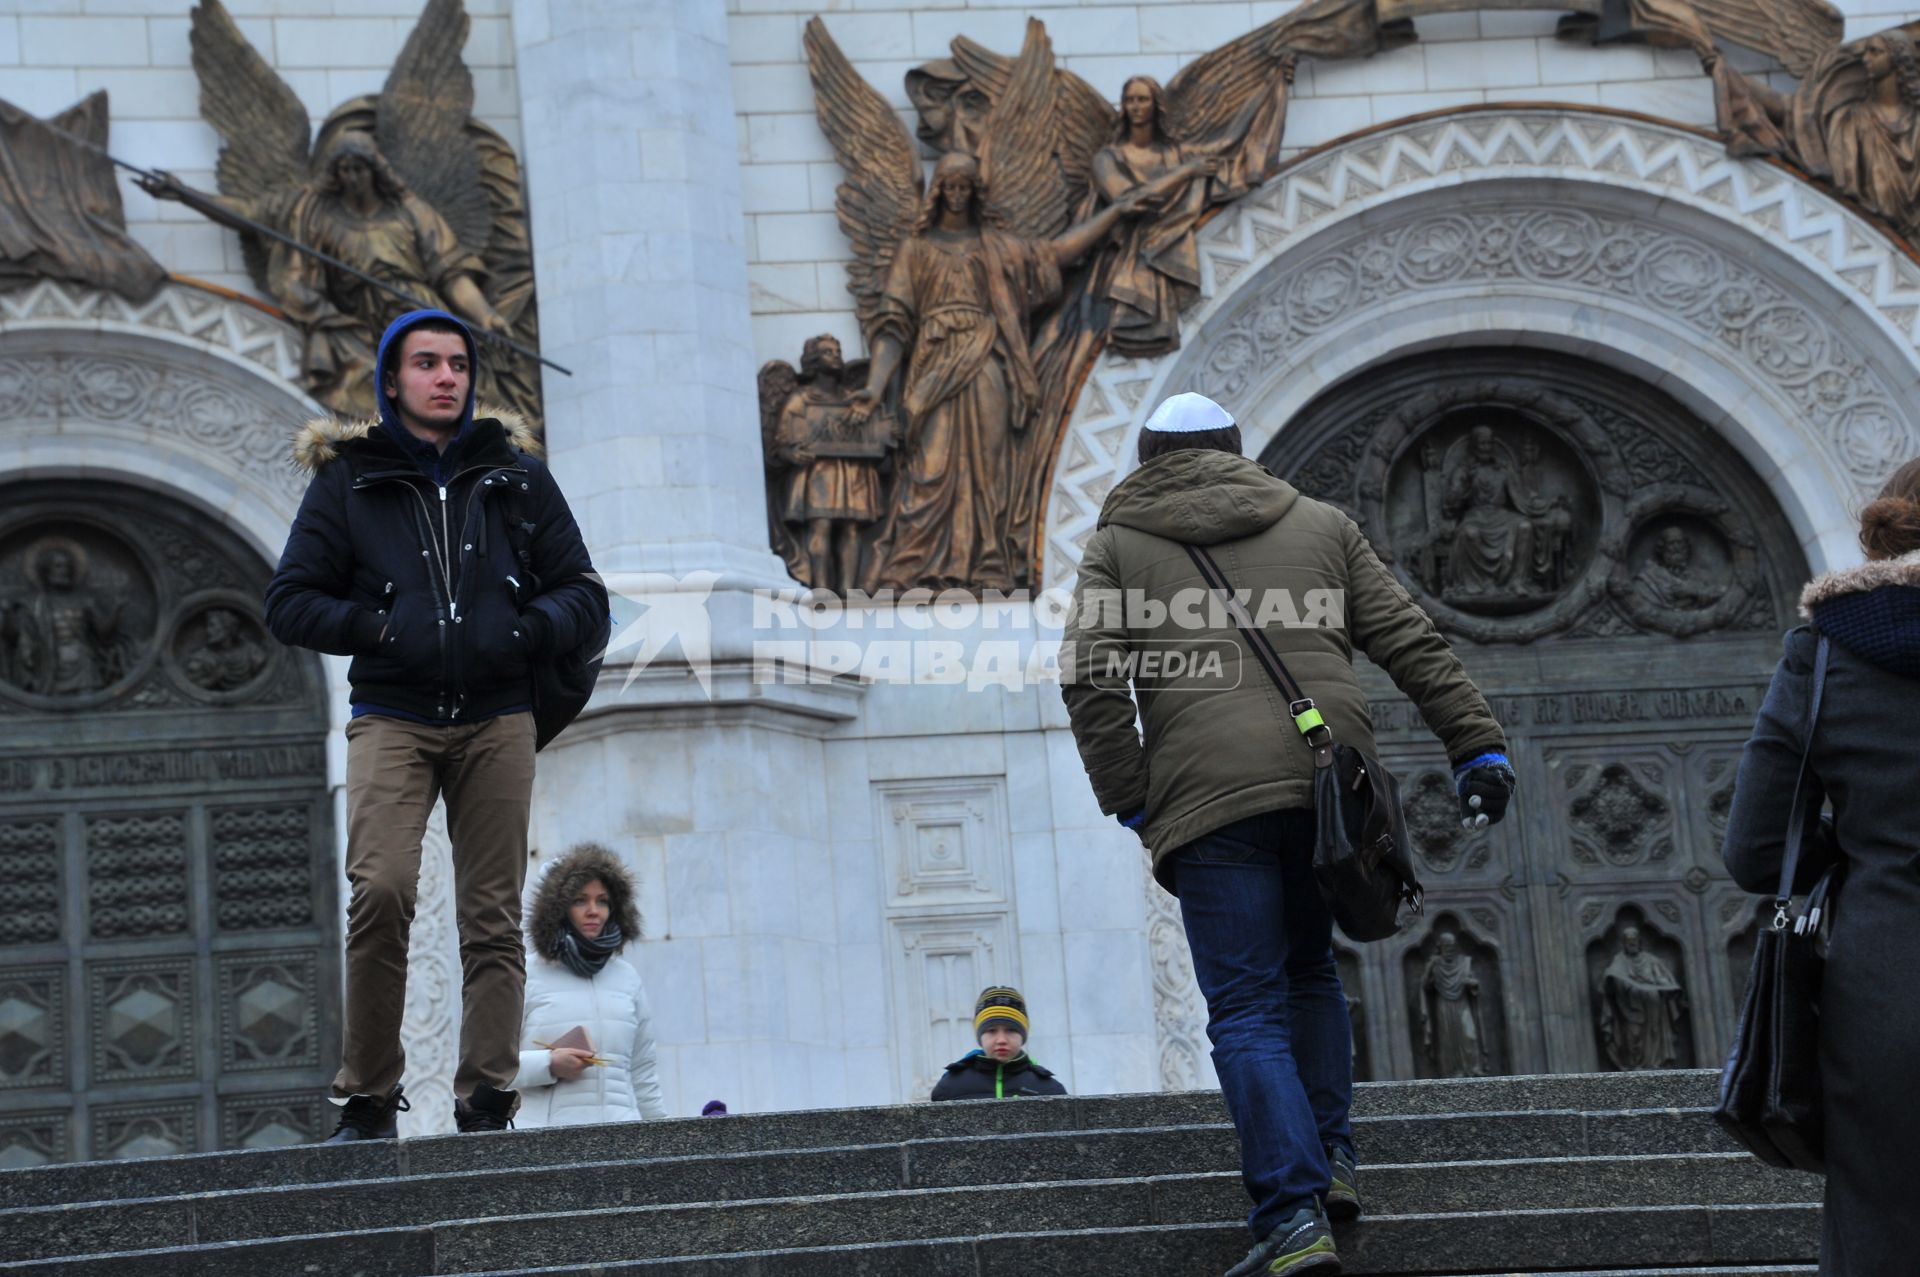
(1000,1067)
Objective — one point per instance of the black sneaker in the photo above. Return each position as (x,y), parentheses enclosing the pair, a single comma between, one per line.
(1302,1244)
(1343,1198)
(488,1110)
(369,1117)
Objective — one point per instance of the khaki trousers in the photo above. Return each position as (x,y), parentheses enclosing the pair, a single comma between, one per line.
(395,772)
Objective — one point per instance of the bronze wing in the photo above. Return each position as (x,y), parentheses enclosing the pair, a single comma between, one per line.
(1025,187)
(1083,120)
(264,130)
(880,200)
(421,123)
(1797,32)
(1207,94)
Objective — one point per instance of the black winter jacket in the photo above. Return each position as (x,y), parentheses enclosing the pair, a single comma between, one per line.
(978,1076)
(1865,760)
(379,545)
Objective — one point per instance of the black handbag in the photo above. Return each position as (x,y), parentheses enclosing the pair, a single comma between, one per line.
(563,682)
(1770,1094)
(1360,846)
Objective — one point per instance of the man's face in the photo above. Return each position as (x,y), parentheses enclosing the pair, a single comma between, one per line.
(1675,550)
(1483,444)
(1448,945)
(219,626)
(956,192)
(57,570)
(430,379)
(1630,941)
(826,356)
(1001,1042)
(1137,101)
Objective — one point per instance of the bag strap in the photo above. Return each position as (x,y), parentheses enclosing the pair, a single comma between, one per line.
(1797,820)
(1312,727)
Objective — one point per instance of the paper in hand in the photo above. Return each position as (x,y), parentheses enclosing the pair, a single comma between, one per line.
(575,1039)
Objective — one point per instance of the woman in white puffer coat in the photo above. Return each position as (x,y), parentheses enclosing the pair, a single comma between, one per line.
(582,916)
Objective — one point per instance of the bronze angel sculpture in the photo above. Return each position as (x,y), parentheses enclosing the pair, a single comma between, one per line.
(1854,119)
(404,185)
(1053,223)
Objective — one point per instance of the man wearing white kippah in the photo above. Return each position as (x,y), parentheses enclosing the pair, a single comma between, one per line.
(1221,788)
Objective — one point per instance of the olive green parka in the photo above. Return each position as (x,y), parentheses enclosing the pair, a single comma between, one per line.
(1220,744)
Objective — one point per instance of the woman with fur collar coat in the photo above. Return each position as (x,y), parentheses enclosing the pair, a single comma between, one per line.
(1865,760)
(582,916)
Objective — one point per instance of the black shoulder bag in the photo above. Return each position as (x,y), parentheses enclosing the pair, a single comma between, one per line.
(1360,833)
(1770,1095)
(562,682)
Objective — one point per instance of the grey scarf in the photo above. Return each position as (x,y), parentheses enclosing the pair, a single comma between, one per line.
(584,955)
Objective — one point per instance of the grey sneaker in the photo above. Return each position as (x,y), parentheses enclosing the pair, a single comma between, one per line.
(1343,1198)
(1301,1244)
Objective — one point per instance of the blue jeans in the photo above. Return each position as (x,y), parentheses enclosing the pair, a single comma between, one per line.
(1262,943)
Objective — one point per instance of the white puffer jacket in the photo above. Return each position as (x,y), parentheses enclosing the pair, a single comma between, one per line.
(613,1008)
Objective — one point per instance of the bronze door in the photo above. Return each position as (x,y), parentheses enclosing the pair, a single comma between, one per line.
(1616,580)
(168,929)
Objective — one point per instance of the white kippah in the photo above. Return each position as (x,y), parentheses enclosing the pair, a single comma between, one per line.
(1187,412)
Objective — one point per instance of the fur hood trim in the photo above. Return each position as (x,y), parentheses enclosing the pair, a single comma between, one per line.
(562,882)
(1904,570)
(318,441)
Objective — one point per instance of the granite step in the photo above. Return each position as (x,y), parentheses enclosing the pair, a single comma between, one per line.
(1561,1235)
(1180,1192)
(1724,1240)
(1544,1111)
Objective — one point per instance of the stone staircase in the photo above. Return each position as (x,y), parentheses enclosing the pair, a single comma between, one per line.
(1603,1174)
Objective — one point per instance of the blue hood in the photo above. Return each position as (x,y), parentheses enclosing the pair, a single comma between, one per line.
(425,455)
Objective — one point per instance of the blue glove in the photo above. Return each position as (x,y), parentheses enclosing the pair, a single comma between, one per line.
(1134,821)
(1485,785)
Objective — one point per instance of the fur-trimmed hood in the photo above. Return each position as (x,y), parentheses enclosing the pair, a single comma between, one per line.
(319,441)
(1904,570)
(1873,611)
(563,880)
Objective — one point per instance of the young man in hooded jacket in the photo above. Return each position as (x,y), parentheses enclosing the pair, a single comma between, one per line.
(1221,789)
(402,557)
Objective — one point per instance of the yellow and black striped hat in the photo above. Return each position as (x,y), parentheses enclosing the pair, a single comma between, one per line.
(999,1005)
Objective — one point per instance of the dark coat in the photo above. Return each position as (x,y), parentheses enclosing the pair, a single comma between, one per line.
(378,543)
(978,1076)
(1866,762)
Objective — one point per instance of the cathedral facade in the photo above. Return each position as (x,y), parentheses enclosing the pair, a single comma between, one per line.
(1602,375)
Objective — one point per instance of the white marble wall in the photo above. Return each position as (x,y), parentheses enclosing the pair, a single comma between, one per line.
(55,52)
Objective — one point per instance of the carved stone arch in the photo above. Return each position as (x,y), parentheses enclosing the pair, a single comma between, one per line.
(1766,307)
(192,394)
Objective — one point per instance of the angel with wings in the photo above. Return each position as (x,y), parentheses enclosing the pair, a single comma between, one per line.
(406,187)
(946,286)
(1855,117)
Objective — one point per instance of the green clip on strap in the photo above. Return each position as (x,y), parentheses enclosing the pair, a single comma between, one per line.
(1308,720)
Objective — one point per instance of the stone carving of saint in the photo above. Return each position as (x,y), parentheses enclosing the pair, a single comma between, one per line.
(1151,270)
(827,462)
(1450,1035)
(1640,1008)
(1492,514)
(227,657)
(1669,580)
(62,640)
(957,296)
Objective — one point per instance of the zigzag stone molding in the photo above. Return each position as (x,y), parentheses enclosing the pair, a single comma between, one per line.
(188,370)
(1735,263)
